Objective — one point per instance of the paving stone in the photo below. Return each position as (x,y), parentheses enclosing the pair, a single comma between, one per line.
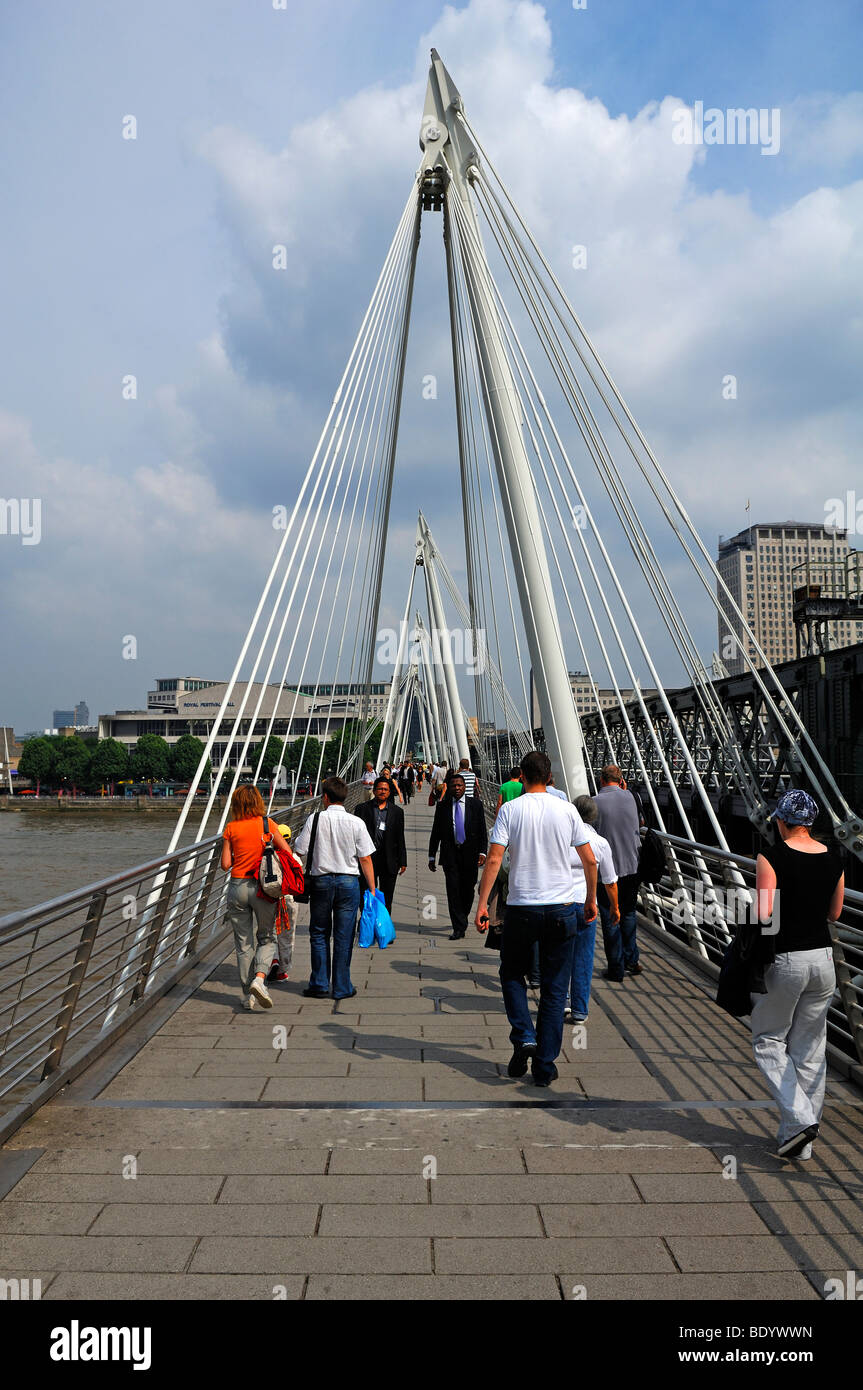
(185,1088)
(740,1287)
(107,1187)
(332,1188)
(96,1253)
(80,1161)
(359,1090)
(625,1158)
(251,1159)
(398,1221)
(292,1256)
(810,1218)
(47,1218)
(651,1219)
(450,1159)
(207,1288)
(821,1252)
(536,1187)
(279,1218)
(434,1287)
(469,1256)
(728,1253)
(688,1187)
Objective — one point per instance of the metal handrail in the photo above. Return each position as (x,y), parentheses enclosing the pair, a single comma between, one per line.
(84,966)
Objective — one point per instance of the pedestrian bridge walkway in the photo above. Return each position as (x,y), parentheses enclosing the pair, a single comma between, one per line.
(375,1148)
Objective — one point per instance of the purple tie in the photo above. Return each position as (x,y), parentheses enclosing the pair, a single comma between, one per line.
(459,823)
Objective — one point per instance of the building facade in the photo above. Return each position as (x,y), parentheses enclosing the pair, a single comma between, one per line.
(185,705)
(763,566)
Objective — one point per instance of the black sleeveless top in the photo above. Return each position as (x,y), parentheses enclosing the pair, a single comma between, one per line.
(805,884)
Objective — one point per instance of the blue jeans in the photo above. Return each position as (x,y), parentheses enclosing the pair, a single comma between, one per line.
(553,926)
(582,966)
(334,901)
(621,947)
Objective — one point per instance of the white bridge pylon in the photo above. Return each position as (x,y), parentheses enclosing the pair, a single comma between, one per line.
(546,592)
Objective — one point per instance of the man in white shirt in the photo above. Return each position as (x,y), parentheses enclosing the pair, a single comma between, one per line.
(540,831)
(341,854)
(585,940)
(368,781)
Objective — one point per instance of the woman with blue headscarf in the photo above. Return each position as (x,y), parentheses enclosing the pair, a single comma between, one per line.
(801,888)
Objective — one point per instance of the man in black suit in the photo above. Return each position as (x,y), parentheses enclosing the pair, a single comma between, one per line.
(385,823)
(458,829)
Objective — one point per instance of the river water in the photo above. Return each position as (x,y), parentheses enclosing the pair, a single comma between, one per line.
(44,854)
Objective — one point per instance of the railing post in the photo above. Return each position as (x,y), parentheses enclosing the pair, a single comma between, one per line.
(198,915)
(76,979)
(165,890)
(847,992)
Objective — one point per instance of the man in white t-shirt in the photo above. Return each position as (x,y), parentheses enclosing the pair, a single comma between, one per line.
(585,940)
(540,832)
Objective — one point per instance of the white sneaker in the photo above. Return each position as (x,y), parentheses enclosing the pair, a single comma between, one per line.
(248,1002)
(805,1153)
(261,993)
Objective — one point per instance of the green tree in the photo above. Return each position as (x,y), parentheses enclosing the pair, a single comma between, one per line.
(109,763)
(272,755)
(150,758)
(185,757)
(37,762)
(72,762)
(310,758)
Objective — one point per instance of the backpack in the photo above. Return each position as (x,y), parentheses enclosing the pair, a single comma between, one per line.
(652,864)
(270,868)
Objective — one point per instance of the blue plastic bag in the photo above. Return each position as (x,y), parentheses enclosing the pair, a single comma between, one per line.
(385,932)
(366,935)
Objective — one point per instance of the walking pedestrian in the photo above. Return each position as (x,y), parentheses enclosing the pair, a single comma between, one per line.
(459,832)
(800,888)
(368,781)
(540,831)
(285,928)
(509,789)
(585,937)
(618,822)
(341,855)
(467,772)
(385,823)
(251,917)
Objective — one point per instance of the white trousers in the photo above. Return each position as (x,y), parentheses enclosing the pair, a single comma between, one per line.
(789,1035)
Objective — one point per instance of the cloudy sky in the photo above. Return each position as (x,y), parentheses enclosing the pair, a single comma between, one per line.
(257,125)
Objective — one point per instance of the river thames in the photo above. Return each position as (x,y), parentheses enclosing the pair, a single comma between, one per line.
(44,854)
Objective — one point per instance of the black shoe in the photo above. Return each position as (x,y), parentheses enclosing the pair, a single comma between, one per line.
(541,1079)
(345,996)
(533,984)
(636,969)
(792,1147)
(519,1060)
(614,979)
(315,993)
(456,936)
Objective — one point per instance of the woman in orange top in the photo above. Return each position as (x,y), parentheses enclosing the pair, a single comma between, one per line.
(252,918)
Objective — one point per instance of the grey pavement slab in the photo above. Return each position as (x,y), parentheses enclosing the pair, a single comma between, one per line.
(331,1256)
(751,1186)
(703,1254)
(536,1187)
(449,1159)
(279,1217)
(488,1220)
(624,1158)
(812,1218)
(741,1286)
(374,1189)
(22,1255)
(223,1286)
(601,1256)
(651,1219)
(113,1187)
(455,1288)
